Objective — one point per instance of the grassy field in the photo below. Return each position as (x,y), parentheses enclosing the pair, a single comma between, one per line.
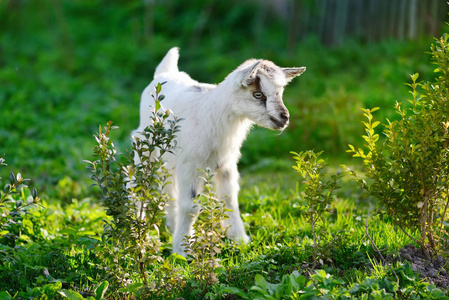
(76,65)
(58,248)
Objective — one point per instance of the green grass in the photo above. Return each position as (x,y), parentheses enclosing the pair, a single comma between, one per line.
(65,241)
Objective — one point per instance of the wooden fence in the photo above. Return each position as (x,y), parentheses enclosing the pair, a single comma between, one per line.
(335,20)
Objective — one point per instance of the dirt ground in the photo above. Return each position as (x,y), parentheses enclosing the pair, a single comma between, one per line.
(432,270)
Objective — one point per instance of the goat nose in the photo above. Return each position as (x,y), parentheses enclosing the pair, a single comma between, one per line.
(284,116)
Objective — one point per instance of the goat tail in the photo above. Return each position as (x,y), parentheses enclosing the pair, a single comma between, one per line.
(169,63)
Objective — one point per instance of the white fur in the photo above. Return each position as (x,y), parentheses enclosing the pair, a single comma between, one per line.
(216,121)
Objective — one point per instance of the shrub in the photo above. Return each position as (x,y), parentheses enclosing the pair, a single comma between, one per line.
(14,203)
(133,195)
(408,171)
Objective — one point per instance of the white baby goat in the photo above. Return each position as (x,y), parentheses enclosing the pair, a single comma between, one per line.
(216,121)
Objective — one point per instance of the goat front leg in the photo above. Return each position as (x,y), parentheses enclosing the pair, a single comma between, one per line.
(227,181)
(172,205)
(187,211)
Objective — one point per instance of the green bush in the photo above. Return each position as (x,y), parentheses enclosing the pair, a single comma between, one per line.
(14,204)
(132,193)
(408,171)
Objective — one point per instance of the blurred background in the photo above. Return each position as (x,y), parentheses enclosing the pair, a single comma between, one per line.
(68,66)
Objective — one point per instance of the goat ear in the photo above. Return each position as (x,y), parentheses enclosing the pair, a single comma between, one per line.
(250,73)
(291,73)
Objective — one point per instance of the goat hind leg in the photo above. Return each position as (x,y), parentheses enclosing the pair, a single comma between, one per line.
(228,189)
(187,211)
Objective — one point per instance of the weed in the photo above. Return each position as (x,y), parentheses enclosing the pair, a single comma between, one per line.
(318,191)
(204,246)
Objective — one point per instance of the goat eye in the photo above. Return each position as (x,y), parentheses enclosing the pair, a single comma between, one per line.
(258,95)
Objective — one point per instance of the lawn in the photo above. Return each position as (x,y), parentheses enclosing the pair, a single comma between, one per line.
(60,247)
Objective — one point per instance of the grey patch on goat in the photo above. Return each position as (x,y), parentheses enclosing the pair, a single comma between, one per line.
(202,88)
(269,69)
(270,72)
(193,193)
(225,175)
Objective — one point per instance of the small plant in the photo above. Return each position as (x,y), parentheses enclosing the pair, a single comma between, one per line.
(322,285)
(204,246)
(100,292)
(133,194)
(318,191)
(409,169)
(292,286)
(13,205)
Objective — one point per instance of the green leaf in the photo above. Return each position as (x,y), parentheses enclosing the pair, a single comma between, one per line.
(72,295)
(101,290)
(158,88)
(4,295)
(235,291)
(134,287)
(158,105)
(414,76)
(366,124)
(260,281)
(68,231)
(12,178)
(258,289)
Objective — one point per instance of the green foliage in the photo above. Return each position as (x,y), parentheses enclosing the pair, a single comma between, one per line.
(133,194)
(408,171)
(323,285)
(318,192)
(14,204)
(63,72)
(35,250)
(73,295)
(204,246)
(64,246)
(292,286)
